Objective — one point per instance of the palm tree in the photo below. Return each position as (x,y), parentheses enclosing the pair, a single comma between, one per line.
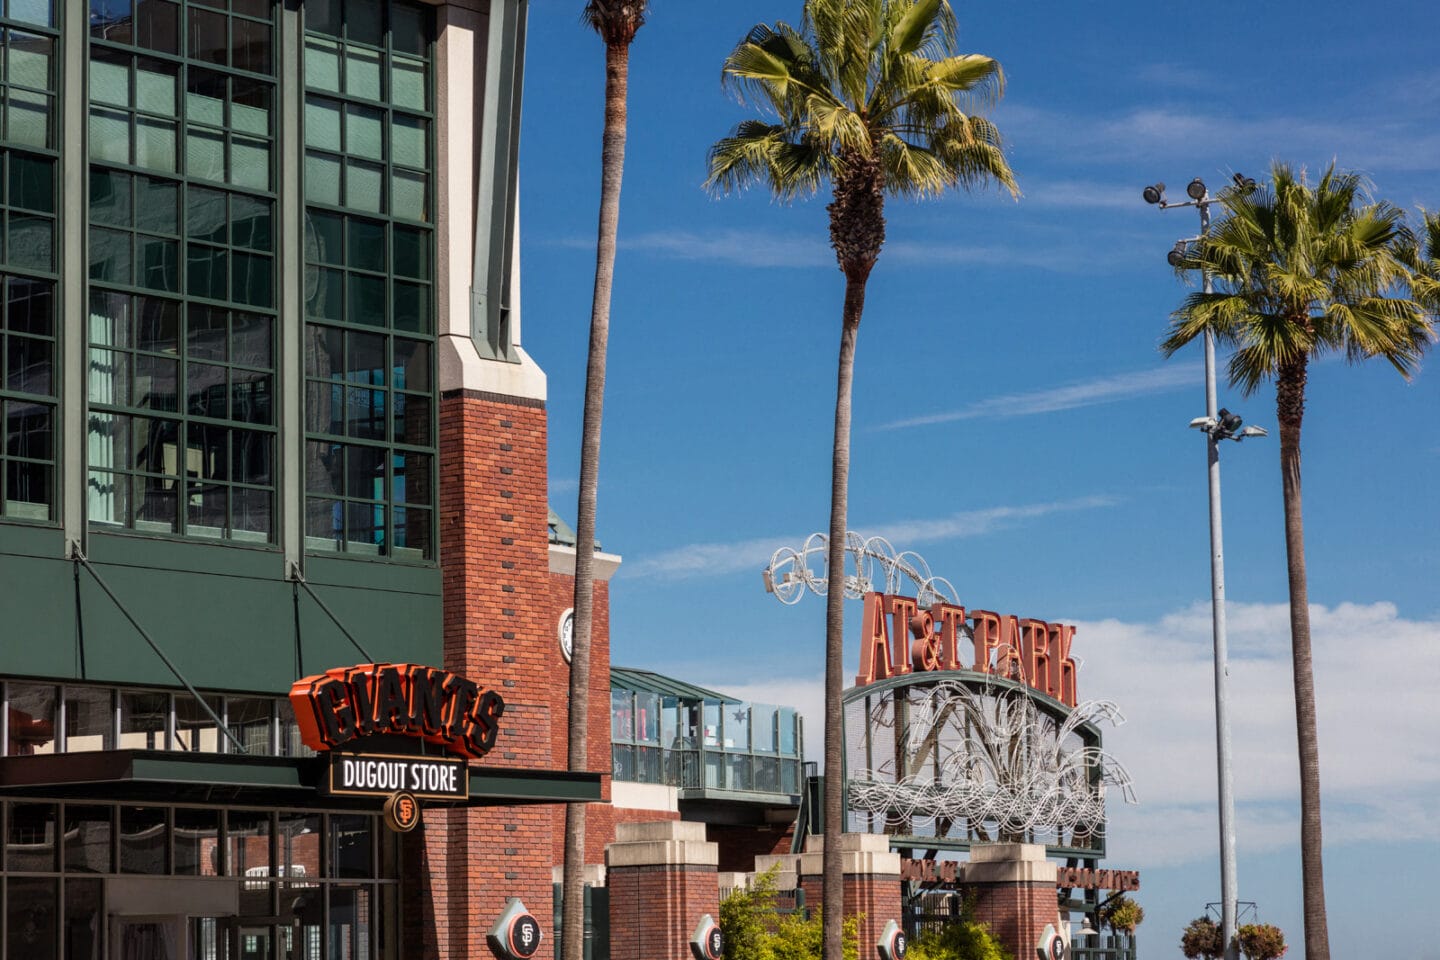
(1303,271)
(871,97)
(1421,255)
(616,21)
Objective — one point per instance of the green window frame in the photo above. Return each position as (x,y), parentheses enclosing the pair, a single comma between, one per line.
(183,307)
(29,316)
(370,417)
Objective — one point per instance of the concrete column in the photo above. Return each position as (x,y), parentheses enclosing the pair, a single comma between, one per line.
(1014,889)
(662,878)
(872,881)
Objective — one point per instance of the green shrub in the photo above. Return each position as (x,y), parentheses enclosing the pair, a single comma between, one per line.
(755,930)
(965,939)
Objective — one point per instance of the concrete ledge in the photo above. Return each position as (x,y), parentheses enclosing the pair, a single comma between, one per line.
(594,875)
(860,853)
(988,852)
(1009,871)
(562,561)
(676,843)
(788,877)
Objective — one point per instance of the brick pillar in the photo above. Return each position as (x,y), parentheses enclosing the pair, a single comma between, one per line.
(872,881)
(1014,889)
(662,880)
(494,557)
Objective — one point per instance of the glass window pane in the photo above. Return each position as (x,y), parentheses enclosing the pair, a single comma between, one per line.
(298,840)
(89,719)
(367,300)
(412,364)
(322,63)
(251,45)
(33,11)
(32,182)
(28,117)
(110,256)
(247,844)
(250,218)
(407,83)
(195,730)
(109,79)
(250,456)
(251,281)
(207,36)
(154,144)
(414,474)
(109,135)
(28,59)
(205,154)
(251,341)
(110,197)
(157,383)
(32,720)
(142,840)
(30,840)
(362,73)
(322,178)
(205,216)
(197,841)
(31,917)
(363,132)
(364,23)
(206,271)
(157,25)
(410,200)
(159,263)
(364,472)
(410,28)
(352,838)
(366,244)
(155,87)
(412,252)
(31,242)
(250,107)
(144,717)
(250,163)
(89,832)
(250,720)
(412,307)
(322,123)
(157,205)
(408,143)
(364,187)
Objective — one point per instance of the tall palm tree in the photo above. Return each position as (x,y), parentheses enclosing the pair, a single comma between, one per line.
(1421,255)
(870,97)
(616,21)
(1302,271)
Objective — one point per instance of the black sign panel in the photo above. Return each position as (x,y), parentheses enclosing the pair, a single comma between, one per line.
(378,775)
(524,936)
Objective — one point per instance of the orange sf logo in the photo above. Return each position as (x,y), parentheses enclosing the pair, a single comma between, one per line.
(402,812)
(406,809)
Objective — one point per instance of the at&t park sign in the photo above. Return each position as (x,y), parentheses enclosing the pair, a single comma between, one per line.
(900,637)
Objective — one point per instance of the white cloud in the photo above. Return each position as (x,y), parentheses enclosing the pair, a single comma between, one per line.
(1375,676)
(1082,393)
(715,559)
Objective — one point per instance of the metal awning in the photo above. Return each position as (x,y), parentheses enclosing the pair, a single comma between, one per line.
(170,775)
(646,681)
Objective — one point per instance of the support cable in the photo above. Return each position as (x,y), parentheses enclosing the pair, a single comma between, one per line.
(299,578)
(81,560)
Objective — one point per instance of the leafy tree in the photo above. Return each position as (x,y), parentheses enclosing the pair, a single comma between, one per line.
(616,21)
(870,97)
(1303,270)
(1261,941)
(1202,940)
(1421,255)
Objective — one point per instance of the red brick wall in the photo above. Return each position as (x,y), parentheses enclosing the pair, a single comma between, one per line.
(876,898)
(1016,913)
(740,845)
(654,910)
(599,818)
(499,631)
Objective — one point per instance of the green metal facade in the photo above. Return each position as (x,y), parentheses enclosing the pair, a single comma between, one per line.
(218,220)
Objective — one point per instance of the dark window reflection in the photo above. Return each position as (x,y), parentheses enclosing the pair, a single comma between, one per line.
(351,843)
(30,839)
(142,840)
(89,836)
(31,917)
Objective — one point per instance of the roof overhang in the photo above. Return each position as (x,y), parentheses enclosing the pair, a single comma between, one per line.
(154,774)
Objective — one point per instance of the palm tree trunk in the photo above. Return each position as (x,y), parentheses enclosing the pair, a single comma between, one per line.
(612,166)
(1290,404)
(832,881)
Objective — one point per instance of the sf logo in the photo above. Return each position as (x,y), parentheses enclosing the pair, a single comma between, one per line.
(525,936)
(716,943)
(402,812)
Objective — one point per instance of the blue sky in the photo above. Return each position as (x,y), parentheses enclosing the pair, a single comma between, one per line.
(1014,421)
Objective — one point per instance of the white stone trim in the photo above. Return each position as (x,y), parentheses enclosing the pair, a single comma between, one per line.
(562,560)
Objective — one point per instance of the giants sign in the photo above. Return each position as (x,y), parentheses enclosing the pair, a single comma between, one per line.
(898,638)
(435,705)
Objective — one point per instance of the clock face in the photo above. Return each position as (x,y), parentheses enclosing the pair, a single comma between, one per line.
(567,634)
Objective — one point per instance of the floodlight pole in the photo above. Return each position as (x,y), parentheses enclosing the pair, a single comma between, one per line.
(1213,435)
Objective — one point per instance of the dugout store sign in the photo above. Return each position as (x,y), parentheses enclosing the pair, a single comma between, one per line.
(379,775)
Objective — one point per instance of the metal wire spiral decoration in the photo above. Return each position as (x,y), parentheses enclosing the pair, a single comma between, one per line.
(868,562)
(1001,760)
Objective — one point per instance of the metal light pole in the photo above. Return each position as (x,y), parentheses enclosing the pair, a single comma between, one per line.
(1218,424)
